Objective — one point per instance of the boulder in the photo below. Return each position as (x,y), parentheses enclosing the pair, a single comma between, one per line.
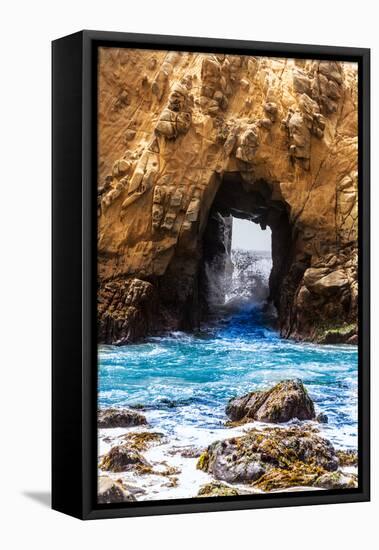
(123,459)
(287,400)
(247,458)
(110,491)
(119,418)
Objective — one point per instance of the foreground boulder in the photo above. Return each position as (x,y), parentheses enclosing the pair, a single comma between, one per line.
(119,418)
(122,459)
(109,491)
(287,400)
(247,458)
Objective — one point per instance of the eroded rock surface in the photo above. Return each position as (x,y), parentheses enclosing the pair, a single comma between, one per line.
(183,136)
(287,400)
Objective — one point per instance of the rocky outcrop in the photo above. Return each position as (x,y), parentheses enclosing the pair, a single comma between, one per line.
(123,459)
(287,400)
(247,458)
(186,136)
(119,418)
(110,491)
(276,459)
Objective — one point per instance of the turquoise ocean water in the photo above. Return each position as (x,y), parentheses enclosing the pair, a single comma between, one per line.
(183,381)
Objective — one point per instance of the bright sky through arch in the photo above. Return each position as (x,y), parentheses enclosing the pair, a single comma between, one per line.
(249,236)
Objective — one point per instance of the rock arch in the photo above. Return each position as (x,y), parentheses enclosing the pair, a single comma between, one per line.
(282,132)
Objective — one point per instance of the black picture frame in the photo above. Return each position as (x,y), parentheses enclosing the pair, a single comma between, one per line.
(74,355)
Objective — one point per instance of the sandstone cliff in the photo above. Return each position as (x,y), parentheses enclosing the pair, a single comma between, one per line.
(185,136)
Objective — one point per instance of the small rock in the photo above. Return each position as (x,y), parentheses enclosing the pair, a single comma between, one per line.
(119,418)
(337,480)
(109,491)
(123,459)
(216,489)
(322,418)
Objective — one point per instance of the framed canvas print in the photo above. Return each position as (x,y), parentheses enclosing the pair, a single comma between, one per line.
(210,274)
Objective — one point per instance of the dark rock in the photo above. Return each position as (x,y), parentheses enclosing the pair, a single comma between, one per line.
(123,459)
(287,400)
(119,418)
(247,458)
(109,491)
(322,418)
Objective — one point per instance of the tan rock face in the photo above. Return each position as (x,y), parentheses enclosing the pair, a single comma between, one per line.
(183,136)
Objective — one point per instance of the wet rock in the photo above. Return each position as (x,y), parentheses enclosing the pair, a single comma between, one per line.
(110,491)
(216,489)
(337,480)
(287,400)
(223,461)
(123,459)
(285,453)
(119,418)
(322,418)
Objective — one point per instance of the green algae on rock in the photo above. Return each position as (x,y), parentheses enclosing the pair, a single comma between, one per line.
(216,489)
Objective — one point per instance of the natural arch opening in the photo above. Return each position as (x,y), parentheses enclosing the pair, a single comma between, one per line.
(217,282)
